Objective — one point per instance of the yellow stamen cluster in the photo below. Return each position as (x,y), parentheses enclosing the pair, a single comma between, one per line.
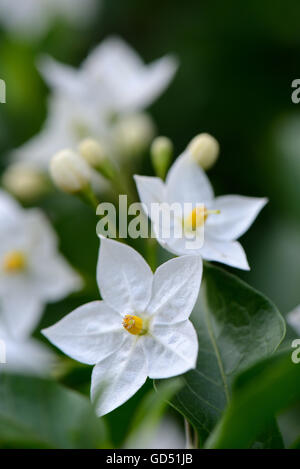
(198,217)
(133,324)
(14,262)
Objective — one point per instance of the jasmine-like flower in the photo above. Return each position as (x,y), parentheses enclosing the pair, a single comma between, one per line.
(222,219)
(23,355)
(113,77)
(32,18)
(98,100)
(140,329)
(32,272)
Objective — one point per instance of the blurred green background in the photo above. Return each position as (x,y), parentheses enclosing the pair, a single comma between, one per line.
(237,63)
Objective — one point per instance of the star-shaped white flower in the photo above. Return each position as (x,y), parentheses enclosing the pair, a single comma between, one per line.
(112,81)
(112,77)
(32,272)
(23,355)
(32,18)
(140,329)
(224,219)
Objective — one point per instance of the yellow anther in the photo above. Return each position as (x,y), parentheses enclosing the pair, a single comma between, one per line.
(133,324)
(14,262)
(198,217)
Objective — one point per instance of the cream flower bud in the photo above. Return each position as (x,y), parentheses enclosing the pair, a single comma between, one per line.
(133,133)
(161,155)
(204,149)
(96,156)
(92,151)
(69,171)
(24,182)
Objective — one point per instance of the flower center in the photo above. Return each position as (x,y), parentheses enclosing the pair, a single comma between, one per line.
(14,262)
(198,217)
(133,324)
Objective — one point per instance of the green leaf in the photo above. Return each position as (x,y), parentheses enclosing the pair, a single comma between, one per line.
(236,327)
(258,394)
(37,413)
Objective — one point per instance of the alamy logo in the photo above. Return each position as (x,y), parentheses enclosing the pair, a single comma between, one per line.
(2,91)
(296,352)
(2,352)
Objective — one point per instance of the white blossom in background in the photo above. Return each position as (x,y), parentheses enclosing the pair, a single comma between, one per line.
(33,18)
(113,77)
(23,355)
(140,329)
(293,318)
(99,100)
(32,272)
(224,219)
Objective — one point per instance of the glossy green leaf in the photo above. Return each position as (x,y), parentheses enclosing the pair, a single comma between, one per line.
(236,327)
(258,394)
(37,413)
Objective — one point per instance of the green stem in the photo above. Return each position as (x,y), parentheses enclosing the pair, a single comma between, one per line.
(189,444)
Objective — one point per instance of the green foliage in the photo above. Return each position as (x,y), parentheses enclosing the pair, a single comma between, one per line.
(236,327)
(258,394)
(37,413)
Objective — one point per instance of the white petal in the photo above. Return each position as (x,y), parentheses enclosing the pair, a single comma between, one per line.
(111,51)
(27,357)
(171,350)
(119,377)
(154,80)
(55,279)
(64,78)
(124,278)
(237,215)
(89,334)
(21,309)
(10,210)
(130,84)
(176,287)
(227,252)
(151,191)
(187,182)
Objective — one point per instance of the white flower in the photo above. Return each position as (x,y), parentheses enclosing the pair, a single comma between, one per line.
(32,18)
(224,218)
(112,80)
(32,272)
(140,329)
(23,355)
(113,77)
(293,319)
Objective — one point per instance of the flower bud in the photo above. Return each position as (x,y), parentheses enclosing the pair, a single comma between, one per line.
(95,155)
(92,152)
(161,155)
(70,172)
(133,133)
(25,182)
(204,149)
